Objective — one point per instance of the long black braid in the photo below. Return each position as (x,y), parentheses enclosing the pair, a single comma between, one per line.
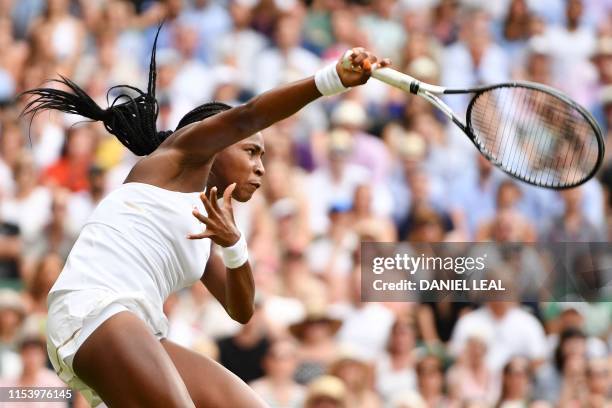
(133,121)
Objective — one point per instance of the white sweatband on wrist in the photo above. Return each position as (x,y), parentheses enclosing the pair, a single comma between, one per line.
(328,81)
(236,255)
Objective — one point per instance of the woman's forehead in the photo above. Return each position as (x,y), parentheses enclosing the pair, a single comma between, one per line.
(256,139)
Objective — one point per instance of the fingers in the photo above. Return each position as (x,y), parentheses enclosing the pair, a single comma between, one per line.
(385,62)
(207,205)
(200,235)
(214,199)
(227,197)
(362,60)
(201,217)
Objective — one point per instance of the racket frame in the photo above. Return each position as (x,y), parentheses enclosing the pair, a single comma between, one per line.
(430,92)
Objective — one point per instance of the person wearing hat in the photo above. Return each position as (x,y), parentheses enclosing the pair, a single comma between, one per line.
(318,347)
(356,373)
(469,378)
(12,313)
(367,150)
(326,392)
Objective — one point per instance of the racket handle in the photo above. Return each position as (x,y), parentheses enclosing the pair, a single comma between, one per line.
(395,78)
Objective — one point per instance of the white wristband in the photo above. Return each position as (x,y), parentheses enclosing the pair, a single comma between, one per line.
(236,255)
(328,81)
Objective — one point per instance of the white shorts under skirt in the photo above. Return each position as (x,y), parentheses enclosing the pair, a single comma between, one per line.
(74,315)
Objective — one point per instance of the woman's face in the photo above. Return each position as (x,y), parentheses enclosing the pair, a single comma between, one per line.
(430,375)
(240,163)
(402,337)
(517,378)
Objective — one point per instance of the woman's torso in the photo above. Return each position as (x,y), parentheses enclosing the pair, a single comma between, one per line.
(135,241)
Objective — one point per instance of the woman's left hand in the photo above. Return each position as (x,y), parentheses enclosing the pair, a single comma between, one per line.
(220,225)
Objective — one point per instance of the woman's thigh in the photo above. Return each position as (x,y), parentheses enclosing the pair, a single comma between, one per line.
(209,383)
(128,367)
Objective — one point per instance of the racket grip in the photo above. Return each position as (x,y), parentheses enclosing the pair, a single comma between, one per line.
(396,79)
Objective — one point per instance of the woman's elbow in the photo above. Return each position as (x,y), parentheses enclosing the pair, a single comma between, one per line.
(242,316)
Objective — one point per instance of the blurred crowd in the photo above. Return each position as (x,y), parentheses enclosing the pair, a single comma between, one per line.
(372,164)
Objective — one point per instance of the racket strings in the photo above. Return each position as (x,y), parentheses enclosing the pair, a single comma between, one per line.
(534,135)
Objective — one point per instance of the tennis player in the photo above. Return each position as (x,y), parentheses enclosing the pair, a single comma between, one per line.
(106,328)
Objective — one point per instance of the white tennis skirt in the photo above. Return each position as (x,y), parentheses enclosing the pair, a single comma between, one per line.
(75,314)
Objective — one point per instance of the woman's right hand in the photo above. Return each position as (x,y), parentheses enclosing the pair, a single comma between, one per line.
(360,68)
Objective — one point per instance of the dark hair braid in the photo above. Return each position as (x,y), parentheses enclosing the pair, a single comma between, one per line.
(132,121)
(202,112)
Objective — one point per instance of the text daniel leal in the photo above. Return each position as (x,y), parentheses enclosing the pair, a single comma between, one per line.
(440,284)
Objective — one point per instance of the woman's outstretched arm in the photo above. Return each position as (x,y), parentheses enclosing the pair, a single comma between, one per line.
(201,140)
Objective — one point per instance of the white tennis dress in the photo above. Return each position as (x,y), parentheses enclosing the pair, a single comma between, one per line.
(131,254)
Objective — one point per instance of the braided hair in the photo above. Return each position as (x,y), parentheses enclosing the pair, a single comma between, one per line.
(131,116)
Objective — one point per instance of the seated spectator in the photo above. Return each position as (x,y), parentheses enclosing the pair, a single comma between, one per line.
(423,211)
(10,251)
(572,315)
(30,207)
(82,204)
(430,380)
(71,170)
(286,62)
(470,380)
(12,314)
(515,331)
(599,383)
(362,214)
(395,368)
(365,325)
(317,349)
(562,380)
(572,226)
(508,198)
(357,377)
(277,387)
(436,320)
(515,389)
(333,182)
(326,392)
(32,349)
(46,272)
(243,353)
(331,255)
(366,150)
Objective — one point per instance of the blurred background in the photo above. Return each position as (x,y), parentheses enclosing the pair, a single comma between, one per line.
(371,164)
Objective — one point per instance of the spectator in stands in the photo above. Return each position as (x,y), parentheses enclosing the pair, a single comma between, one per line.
(12,314)
(357,377)
(430,380)
(243,352)
(562,380)
(317,348)
(326,392)
(515,389)
(395,369)
(277,387)
(34,373)
(515,331)
(469,379)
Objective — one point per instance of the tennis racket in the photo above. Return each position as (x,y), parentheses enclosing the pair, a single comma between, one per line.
(532,132)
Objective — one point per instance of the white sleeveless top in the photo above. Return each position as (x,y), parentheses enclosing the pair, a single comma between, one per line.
(135,242)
